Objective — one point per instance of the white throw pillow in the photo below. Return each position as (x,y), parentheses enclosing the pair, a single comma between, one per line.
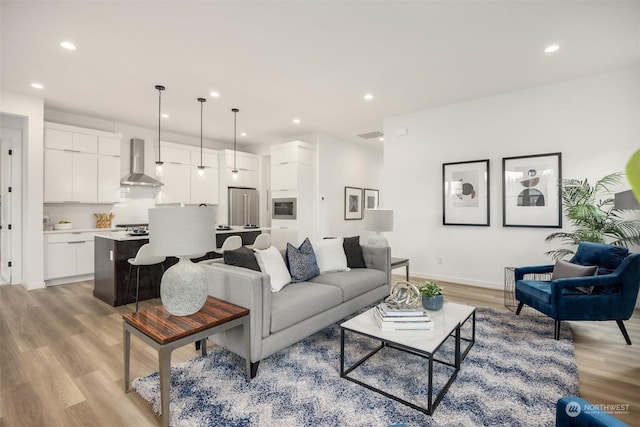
(330,255)
(272,263)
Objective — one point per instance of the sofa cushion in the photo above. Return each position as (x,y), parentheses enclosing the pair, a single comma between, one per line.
(272,263)
(353,283)
(353,252)
(299,301)
(330,255)
(302,262)
(243,257)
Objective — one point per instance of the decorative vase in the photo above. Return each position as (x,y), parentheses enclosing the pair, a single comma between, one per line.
(434,303)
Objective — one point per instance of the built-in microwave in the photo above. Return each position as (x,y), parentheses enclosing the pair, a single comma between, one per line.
(283,208)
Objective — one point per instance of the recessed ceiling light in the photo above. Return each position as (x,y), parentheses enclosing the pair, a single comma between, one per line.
(215,94)
(68,45)
(368,97)
(243,134)
(552,48)
(165,116)
(381,139)
(37,86)
(296,121)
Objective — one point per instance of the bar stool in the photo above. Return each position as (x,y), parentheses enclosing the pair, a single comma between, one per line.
(263,241)
(231,243)
(143,258)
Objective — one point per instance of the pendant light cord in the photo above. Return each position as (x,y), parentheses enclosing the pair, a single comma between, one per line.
(160,89)
(235,112)
(202,101)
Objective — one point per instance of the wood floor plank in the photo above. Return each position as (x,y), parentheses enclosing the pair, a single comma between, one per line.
(63,362)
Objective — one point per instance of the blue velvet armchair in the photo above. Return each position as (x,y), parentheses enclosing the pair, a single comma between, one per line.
(613,290)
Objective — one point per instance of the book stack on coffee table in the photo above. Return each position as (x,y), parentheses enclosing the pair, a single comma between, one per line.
(389,318)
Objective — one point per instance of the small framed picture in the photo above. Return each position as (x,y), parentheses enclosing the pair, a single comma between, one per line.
(371,198)
(465,193)
(352,203)
(531,191)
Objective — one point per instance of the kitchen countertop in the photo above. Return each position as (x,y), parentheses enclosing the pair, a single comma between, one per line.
(83,230)
(126,235)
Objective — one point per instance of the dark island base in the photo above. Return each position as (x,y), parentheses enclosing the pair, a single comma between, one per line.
(112,268)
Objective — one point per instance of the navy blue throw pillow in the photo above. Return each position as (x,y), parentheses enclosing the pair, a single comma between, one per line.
(302,262)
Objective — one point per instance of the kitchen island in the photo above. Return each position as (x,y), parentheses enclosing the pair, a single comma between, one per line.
(113,249)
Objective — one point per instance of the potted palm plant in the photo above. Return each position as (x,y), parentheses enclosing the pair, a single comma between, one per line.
(591,210)
(432,297)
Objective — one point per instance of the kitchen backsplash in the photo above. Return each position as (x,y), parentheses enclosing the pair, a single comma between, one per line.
(81,215)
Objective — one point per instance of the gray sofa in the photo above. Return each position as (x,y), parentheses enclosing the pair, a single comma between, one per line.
(278,320)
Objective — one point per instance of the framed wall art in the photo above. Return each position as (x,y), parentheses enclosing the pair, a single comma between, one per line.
(352,203)
(465,193)
(531,191)
(371,200)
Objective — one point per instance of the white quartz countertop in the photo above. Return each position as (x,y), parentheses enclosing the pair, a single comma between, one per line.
(82,230)
(127,235)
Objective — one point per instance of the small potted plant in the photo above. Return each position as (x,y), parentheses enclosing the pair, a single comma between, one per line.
(432,297)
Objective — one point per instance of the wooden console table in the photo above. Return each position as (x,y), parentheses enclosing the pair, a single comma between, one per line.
(165,332)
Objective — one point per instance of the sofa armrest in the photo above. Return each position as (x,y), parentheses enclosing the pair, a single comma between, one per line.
(246,288)
(378,258)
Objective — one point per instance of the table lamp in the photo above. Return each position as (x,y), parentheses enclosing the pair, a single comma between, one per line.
(378,220)
(181,232)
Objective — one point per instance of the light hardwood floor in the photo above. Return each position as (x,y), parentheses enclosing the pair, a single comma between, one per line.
(61,358)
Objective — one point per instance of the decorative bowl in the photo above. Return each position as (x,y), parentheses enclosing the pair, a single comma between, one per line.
(64,226)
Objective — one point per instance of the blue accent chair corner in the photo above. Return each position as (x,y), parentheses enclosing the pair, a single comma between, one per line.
(571,411)
(614,288)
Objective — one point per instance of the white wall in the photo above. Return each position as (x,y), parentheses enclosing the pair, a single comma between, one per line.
(342,163)
(593,121)
(31,108)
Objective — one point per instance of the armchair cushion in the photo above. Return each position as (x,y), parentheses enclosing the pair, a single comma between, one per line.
(564,270)
(606,257)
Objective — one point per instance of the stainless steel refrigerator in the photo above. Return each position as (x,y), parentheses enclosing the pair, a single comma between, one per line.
(243,206)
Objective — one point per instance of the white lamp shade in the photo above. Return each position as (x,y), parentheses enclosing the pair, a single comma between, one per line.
(379,220)
(182,231)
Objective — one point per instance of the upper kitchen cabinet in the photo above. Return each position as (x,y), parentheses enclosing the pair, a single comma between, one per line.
(80,165)
(182,181)
(247,166)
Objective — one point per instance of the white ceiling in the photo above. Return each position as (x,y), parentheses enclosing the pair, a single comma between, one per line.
(313,60)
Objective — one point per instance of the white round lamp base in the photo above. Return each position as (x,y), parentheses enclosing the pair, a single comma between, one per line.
(183,289)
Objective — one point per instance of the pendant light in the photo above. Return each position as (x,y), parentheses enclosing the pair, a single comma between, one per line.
(234,171)
(201,167)
(159,163)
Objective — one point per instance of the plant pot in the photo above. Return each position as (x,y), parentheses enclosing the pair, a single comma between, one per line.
(434,303)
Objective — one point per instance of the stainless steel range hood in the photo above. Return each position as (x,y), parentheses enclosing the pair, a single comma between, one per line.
(137,176)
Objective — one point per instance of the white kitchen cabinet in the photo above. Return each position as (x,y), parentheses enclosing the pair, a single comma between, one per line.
(206,188)
(73,167)
(68,254)
(109,146)
(177,182)
(244,178)
(85,178)
(171,154)
(108,179)
(293,175)
(70,177)
(58,176)
(284,176)
(209,158)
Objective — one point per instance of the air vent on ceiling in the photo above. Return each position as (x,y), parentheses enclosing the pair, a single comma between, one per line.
(371,135)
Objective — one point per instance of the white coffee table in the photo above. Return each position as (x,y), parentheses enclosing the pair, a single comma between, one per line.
(423,343)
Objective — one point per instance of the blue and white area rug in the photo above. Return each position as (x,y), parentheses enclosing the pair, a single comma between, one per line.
(513,376)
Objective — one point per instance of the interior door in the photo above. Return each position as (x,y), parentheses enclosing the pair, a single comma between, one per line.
(6,201)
